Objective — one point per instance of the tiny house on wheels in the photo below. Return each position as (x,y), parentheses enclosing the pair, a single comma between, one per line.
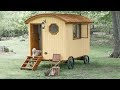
(64,34)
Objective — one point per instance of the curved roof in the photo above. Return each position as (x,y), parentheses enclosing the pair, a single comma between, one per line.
(67,18)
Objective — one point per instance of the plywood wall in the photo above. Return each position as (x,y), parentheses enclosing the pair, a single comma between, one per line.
(63,42)
(52,44)
(78,47)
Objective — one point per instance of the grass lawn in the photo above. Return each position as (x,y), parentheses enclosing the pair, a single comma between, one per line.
(100,67)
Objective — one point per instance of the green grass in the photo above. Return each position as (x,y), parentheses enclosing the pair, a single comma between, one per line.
(100,67)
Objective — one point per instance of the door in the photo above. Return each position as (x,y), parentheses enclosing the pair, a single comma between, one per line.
(36,37)
(40,36)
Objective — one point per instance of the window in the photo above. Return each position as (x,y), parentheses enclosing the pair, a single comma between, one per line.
(76,31)
(53,29)
(84,31)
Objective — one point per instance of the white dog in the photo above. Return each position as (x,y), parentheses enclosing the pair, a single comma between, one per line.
(36,52)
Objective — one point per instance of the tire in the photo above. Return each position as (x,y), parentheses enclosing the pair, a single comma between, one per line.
(70,62)
(86,59)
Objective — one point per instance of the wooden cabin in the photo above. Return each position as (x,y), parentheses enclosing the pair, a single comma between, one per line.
(65,34)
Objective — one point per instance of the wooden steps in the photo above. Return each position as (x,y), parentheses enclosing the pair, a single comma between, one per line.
(31,63)
(26,68)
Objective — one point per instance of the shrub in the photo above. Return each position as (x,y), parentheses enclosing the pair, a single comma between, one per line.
(6,49)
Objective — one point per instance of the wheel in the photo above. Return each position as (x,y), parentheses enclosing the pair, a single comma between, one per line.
(70,62)
(86,59)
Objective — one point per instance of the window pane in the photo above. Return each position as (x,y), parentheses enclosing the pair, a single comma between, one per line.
(76,31)
(53,29)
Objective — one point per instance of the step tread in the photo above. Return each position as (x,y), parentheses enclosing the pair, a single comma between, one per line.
(28,68)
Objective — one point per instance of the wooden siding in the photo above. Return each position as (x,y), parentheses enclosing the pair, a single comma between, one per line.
(52,44)
(61,43)
(78,47)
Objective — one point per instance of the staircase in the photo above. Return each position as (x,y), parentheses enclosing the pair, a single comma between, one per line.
(31,63)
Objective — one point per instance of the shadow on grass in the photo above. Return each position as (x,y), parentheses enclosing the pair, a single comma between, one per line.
(94,63)
(97,68)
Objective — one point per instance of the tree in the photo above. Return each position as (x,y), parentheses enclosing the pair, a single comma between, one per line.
(116,33)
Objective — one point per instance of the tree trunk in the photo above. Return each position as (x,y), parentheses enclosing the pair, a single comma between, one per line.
(116,34)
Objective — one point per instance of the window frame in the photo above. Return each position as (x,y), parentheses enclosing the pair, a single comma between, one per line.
(80,31)
(50,28)
(87,31)
(75,27)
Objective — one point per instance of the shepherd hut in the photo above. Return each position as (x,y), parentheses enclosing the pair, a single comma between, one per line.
(64,34)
